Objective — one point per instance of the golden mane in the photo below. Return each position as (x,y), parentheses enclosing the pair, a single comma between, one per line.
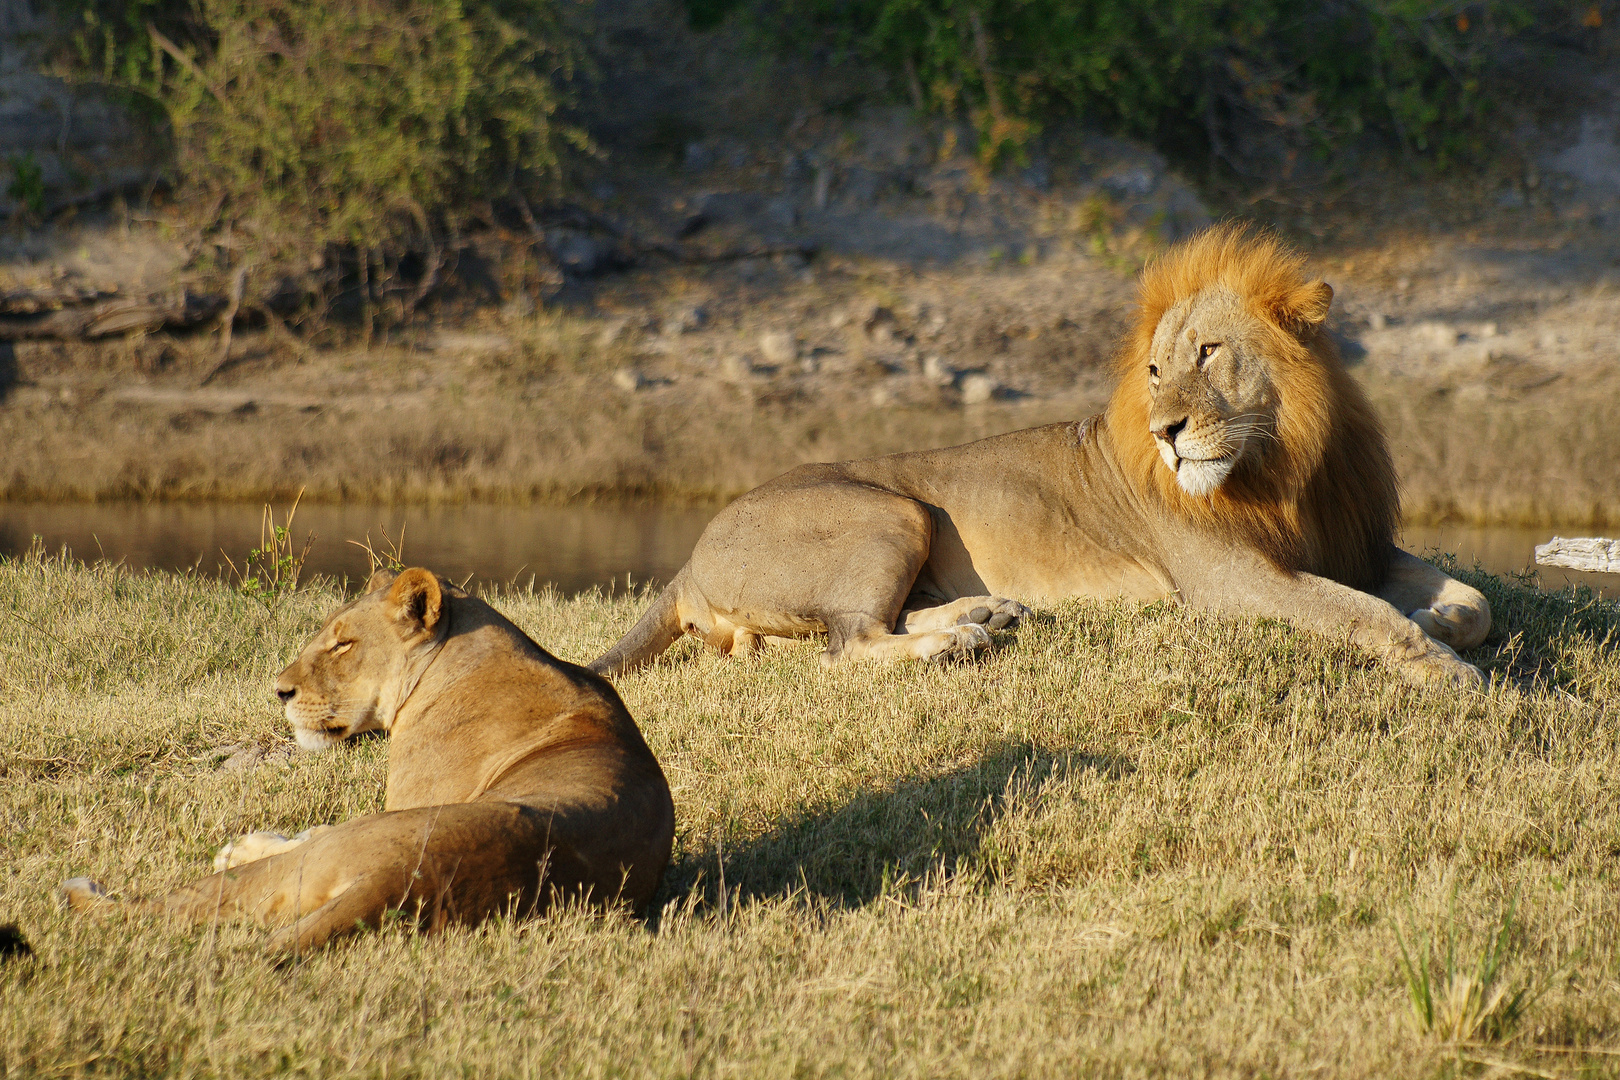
(1323,497)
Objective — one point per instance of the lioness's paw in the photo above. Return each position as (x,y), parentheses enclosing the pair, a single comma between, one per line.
(249,848)
(261,845)
(995,613)
(81,892)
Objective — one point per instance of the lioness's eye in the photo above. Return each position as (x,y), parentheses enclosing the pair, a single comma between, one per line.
(1206,350)
(1153,371)
(341,647)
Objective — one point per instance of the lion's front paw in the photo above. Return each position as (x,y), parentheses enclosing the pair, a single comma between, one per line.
(1443,667)
(1458,626)
(995,613)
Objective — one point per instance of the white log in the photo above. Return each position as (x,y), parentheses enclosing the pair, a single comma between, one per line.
(1591,553)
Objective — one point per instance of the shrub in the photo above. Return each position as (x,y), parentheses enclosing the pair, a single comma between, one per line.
(370,125)
(1228,69)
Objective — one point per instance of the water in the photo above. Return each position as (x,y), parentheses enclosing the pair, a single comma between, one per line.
(573,547)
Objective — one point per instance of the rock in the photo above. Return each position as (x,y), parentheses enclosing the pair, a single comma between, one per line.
(778,347)
(938,371)
(629,380)
(1438,335)
(879,323)
(735,368)
(1377,321)
(686,320)
(977,389)
(883,396)
(578,253)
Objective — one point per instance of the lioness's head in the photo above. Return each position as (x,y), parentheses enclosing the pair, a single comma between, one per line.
(354,674)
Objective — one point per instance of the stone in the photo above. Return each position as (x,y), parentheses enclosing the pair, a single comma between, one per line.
(629,380)
(734,368)
(686,320)
(938,371)
(977,389)
(778,347)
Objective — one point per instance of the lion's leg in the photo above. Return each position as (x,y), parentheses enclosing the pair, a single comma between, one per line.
(991,612)
(834,556)
(858,638)
(1452,613)
(1242,582)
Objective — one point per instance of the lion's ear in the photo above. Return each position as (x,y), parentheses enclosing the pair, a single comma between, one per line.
(1307,306)
(383,578)
(416,601)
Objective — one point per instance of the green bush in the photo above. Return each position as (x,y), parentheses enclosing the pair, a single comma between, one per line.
(1229,69)
(367,124)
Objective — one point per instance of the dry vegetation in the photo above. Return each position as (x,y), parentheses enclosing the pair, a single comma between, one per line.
(531,411)
(1130,841)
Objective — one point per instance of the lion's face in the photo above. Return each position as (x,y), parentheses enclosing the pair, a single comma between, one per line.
(358,669)
(1214,401)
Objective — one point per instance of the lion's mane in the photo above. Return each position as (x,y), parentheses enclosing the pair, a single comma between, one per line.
(1322,497)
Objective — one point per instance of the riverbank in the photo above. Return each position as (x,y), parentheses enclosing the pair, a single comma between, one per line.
(1083,843)
(694,386)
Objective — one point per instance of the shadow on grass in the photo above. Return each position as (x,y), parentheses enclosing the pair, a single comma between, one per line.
(881,840)
(1533,630)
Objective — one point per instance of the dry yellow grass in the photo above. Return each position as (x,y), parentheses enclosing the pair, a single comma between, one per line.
(546,422)
(1131,841)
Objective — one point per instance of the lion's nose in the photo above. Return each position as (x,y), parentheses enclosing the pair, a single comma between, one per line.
(1168,432)
(286,695)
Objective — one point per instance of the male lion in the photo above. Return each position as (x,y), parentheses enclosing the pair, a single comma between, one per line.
(1238,468)
(513,777)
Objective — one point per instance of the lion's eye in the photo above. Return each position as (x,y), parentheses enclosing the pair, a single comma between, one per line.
(1206,350)
(1153,371)
(341,647)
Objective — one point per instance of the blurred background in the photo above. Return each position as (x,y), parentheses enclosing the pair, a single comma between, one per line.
(539,285)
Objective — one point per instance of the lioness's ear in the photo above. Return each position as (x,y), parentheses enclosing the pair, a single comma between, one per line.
(383,578)
(416,601)
(1307,306)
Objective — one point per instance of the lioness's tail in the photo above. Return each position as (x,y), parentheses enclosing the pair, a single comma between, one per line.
(654,632)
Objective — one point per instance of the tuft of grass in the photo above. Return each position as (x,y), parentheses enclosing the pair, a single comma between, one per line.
(272,569)
(1461,1001)
(1131,840)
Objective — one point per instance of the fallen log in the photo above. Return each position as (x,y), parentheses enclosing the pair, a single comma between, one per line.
(109,317)
(52,298)
(1591,553)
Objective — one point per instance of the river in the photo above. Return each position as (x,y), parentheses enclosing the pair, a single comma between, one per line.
(572,547)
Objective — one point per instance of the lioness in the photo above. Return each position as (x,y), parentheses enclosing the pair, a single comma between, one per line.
(1237,468)
(513,777)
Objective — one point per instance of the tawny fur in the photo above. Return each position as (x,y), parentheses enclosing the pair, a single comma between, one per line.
(1325,498)
(514,778)
(1238,468)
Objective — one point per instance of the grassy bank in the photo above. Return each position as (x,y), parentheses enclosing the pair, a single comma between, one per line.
(1130,841)
(1541,459)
